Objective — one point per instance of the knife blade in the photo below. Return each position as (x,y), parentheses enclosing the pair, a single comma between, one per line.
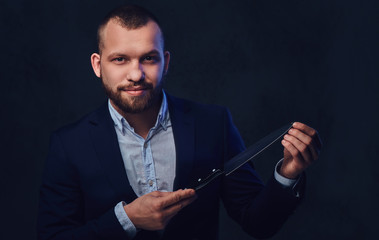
(243,157)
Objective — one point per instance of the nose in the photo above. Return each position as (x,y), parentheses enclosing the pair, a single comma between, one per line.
(135,73)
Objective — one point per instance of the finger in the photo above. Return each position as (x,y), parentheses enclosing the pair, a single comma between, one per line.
(302,149)
(162,194)
(304,128)
(175,197)
(310,132)
(175,208)
(307,140)
(172,210)
(157,194)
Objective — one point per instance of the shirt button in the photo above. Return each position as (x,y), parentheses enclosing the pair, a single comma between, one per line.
(151,183)
(145,145)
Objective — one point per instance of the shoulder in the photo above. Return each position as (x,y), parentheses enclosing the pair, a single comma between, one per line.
(82,126)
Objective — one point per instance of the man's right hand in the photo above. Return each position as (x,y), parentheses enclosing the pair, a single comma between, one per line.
(154,210)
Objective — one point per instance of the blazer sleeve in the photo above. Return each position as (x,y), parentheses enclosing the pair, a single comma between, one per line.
(260,210)
(61,206)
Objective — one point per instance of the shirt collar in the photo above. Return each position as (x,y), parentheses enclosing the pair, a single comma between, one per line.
(121,123)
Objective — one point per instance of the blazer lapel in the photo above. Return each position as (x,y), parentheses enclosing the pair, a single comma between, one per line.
(183,126)
(107,148)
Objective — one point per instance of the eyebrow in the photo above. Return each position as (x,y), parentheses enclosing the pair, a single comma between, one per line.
(119,54)
(154,51)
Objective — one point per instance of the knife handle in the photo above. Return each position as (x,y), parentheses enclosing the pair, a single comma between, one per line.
(202,182)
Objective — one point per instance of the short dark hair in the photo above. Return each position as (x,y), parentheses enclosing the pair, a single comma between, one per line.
(129,16)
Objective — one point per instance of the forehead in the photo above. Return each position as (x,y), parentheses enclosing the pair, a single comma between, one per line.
(117,38)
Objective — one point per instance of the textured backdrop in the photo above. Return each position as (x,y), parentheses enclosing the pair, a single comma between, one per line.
(270,62)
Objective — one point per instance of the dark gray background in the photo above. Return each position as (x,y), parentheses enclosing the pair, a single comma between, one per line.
(270,62)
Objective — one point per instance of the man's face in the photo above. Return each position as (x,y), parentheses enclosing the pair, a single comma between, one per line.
(131,66)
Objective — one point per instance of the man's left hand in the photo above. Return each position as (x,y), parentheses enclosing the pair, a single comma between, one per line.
(302,146)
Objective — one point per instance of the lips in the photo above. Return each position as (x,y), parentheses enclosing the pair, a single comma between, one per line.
(135,91)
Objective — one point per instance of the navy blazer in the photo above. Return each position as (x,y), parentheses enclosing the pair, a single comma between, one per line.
(85,178)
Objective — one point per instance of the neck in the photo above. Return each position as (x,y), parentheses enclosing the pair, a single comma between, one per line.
(142,122)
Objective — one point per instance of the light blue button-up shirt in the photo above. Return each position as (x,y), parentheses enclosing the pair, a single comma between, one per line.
(150,163)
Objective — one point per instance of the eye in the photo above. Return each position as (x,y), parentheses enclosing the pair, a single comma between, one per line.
(150,59)
(119,60)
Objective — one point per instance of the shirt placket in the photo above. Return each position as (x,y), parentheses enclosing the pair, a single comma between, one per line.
(151,179)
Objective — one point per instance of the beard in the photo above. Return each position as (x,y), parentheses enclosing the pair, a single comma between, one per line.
(134,104)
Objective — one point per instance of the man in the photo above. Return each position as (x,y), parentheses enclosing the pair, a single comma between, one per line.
(121,171)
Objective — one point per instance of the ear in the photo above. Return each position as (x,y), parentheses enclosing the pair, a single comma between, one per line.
(166,61)
(95,61)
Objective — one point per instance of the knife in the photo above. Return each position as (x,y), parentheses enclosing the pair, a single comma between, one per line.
(243,157)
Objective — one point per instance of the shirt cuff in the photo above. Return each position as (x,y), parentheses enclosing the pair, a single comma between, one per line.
(124,220)
(286,182)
